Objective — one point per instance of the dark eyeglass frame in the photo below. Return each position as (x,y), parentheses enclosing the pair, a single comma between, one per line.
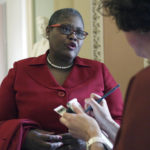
(72,31)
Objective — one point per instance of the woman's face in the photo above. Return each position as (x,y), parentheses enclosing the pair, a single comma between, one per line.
(140,42)
(66,46)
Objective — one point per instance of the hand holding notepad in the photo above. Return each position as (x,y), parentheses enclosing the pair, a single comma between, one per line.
(61,109)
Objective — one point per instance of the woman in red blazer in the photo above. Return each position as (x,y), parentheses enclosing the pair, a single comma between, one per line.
(35,86)
(133,17)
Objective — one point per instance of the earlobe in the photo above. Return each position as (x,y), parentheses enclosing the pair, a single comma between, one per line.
(47,32)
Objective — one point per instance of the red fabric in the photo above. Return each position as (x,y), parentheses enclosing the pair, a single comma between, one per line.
(135,129)
(11,133)
(30,91)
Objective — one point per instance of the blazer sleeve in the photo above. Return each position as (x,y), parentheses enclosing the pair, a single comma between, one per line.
(11,128)
(8,108)
(115,100)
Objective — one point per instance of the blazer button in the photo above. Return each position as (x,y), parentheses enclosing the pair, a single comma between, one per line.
(61,93)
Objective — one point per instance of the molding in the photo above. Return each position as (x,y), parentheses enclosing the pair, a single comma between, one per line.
(97,29)
(30,29)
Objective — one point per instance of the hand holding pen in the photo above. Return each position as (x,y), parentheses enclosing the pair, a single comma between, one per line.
(107,94)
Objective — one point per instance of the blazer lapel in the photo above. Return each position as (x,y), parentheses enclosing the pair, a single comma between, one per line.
(39,72)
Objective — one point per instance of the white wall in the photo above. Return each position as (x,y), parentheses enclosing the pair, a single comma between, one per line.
(42,8)
(3,50)
(16,31)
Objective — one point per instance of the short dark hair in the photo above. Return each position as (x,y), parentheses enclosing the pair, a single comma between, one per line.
(61,14)
(128,14)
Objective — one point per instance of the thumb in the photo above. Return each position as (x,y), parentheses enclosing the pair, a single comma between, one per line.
(77,108)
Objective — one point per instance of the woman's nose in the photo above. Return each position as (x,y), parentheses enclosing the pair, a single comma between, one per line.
(72,36)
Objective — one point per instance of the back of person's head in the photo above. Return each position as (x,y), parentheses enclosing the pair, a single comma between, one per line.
(63,14)
(130,15)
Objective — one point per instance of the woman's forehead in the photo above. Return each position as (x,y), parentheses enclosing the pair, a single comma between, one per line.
(73,20)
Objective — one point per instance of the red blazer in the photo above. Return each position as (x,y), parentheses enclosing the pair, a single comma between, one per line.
(135,129)
(12,133)
(31,92)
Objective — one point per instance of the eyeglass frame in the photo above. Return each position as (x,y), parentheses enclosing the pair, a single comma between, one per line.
(72,31)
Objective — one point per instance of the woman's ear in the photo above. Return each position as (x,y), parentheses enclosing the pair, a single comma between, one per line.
(47,29)
(47,32)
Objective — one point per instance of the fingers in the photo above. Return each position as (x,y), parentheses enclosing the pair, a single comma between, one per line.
(67,119)
(47,137)
(95,96)
(77,108)
(86,103)
(95,105)
(53,146)
(40,139)
(64,121)
(44,132)
(49,146)
(93,100)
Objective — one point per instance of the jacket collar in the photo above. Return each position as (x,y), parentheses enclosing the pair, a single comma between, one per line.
(41,60)
(38,71)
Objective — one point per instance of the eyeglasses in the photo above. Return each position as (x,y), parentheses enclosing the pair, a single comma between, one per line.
(67,29)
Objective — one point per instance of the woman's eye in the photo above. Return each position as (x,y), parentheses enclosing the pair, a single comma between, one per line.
(79,32)
(66,29)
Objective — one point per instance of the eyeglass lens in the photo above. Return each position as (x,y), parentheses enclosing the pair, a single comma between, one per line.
(67,29)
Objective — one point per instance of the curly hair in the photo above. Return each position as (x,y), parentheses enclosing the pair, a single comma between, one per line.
(129,14)
(64,13)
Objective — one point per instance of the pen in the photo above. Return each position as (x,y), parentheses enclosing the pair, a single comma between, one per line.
(107,94)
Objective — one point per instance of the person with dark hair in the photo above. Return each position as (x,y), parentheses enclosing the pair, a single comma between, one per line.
(132,17)
(35,86)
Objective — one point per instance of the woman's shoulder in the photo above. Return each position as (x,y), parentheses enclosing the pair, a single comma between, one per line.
(142,78)
(32,60)
(144,73)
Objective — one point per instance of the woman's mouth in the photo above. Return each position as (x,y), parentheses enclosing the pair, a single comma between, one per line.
(71,46)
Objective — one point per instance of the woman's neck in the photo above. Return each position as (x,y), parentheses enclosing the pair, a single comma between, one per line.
(58,60)
(58,63)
